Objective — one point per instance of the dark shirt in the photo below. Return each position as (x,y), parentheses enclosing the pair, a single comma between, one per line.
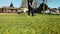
(30,1)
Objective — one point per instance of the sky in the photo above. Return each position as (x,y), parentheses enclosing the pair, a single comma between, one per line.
(54,3)
(18,3)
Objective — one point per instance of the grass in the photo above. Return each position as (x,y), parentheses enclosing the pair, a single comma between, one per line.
(21,24)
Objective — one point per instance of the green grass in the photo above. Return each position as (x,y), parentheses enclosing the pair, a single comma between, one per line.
(21,24)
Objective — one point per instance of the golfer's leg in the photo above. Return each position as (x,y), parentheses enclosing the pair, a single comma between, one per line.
(29,12)
(32,10)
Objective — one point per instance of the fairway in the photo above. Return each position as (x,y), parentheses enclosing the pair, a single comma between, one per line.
(21,24)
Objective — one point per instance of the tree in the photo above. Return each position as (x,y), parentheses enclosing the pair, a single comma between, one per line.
(24,3)
(41,7)
(44,4)
(0,9)
(59,9)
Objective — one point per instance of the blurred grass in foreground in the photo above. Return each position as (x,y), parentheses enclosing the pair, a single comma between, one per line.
(21,24)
